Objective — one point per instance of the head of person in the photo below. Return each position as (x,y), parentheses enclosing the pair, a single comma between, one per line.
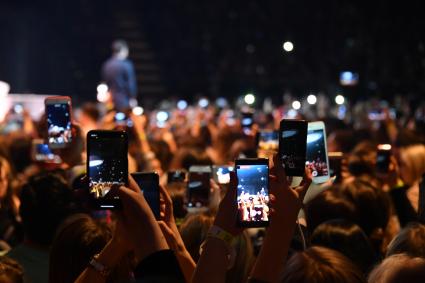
(412,163)
(46,200)
(362,159)
(79,238)
(20,152)
(399,268)
(340,235)
(89,117)
(10,271)
(372,208)
(410,240)
(321,265)
(120,49)
(329,204)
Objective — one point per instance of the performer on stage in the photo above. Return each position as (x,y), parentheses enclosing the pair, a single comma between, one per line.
(118,74)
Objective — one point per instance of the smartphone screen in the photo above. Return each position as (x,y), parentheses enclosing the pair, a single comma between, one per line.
(292,146)
(335,164)
(221,174)
(268,140)
(198,187)
(178,176)
(383,158)
(149,184)
(107,165)
(59,128)
(253,192)
(316,156)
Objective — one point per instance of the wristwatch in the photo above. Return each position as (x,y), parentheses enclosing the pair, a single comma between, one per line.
(99,267)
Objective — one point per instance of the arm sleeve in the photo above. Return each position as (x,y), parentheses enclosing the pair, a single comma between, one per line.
(161,266)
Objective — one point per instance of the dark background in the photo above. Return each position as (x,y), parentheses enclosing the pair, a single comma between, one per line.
(215,48)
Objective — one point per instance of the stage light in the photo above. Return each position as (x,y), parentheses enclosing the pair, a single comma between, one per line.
(102,88)
(138,111)
(4,89)
(203,103)
(311,99)
(249,99)
(296,105)
(182,104)
(339,99)
(288,46)
(221,102)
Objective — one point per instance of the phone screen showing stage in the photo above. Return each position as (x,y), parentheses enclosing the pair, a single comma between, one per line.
(59,123)
(316,153)
(253,194)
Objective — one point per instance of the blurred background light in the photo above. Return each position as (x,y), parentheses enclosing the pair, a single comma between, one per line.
(339,99)
(288,46)
(311,99)
(249,99)
(296,105)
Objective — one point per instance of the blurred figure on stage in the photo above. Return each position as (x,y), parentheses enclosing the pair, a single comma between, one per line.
(118,74)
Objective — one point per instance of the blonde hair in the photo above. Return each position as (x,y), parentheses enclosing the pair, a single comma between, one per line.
(413,157)
(399,268)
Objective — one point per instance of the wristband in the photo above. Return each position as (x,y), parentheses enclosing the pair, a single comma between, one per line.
(99,267)
(227,239)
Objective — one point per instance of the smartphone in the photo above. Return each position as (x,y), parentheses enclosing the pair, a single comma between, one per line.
(253,199)
(198,186)
(292,146)
(268,141)
(383,158)
(221,174)
(107,166)
(59,128)
(178,176)
(317,154)
(42,153)
(335,164)
(247,121)
(149,184)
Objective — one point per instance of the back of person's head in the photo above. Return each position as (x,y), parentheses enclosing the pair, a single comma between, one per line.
(362,159)
(10,271)
(399,268)
(372,204)
(78,239)
(187,157)
(91,111)
(412,163)
(329,204)
(340,235)
(194,230)
(410,240)
(119,46)
(321,265)
(46,200)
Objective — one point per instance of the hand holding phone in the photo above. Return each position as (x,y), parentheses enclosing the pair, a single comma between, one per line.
(59,128)
(252,200)
(383,158)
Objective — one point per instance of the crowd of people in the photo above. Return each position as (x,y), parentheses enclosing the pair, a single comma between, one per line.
(360,226)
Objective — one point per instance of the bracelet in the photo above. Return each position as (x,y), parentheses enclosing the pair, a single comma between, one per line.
(99,267)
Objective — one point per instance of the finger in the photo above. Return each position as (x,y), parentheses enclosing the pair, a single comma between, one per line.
(279,170)
(165,195)
(133,185)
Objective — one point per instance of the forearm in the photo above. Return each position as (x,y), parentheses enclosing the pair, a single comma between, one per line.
(212,265)
(109,257)
(273,254)
(186,263)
